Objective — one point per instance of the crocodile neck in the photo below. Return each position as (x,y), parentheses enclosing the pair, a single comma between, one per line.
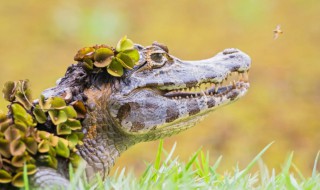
(103,142)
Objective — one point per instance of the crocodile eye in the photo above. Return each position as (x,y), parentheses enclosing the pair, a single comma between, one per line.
(157,57)
(157,60)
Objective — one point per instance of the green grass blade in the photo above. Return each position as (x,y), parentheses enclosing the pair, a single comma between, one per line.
(287,165)
(171,153)
(314,170)
(77,175)
(71,172)
(99,182)
(298,172)
(193,158)
(253,162)
(216,165)
(25,177)
(158,157)
(145,173)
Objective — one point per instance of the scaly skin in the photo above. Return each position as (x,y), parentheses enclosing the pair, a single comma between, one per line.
(150,102)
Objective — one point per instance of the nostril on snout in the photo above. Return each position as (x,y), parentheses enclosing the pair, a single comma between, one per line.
(230,51)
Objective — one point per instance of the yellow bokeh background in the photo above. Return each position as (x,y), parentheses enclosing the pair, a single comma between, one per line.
(38,40)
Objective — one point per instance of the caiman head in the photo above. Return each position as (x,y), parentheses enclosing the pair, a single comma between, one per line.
(164,95)
(161,96)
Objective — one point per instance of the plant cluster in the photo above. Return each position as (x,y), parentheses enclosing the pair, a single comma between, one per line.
(113,59)
(22,143)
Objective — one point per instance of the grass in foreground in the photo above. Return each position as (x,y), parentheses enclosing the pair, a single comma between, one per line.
(197,173)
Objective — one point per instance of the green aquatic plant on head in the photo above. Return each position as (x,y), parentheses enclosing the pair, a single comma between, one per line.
(17,91)
(115,60)
(23,143)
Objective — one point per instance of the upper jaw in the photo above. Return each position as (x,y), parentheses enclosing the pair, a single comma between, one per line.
(217,76)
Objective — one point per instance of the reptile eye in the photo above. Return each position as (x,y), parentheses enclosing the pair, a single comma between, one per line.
(157,60)
(157,57)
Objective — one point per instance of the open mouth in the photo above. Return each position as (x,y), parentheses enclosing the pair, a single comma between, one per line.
(235,80)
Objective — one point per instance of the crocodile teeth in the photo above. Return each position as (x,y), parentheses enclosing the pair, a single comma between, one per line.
(246,76)
(232,80)
(241,77)
(217,88)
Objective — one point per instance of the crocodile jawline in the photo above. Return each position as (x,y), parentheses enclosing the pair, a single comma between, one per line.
(216,89)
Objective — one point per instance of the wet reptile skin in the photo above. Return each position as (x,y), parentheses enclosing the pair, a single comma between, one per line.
(150,102)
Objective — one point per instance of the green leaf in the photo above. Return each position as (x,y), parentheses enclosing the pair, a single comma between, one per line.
(44,134)
(29,159)
(39,115)
(17,161)
(5,177)
(103,57)
(124,44)
(31,169)
(53,140)
(49,160)
(73,140)
(31,145)
(125,61)
(58,116)
(62,148)
(43,146)
(52,151)
(24,85)
(44,104)
(21,126)
(17,180)
(70,111)
(17,147)
(73,124)
(83,53)
(133,54)
(58,103)
(21,97)
(75,159)
(3,117)
(4,148)
(63,129)
(9,91)
(19,113)
(80,137)
(12,133)
(115,68)
(5,124)
(22,93)
(53,162)
(87,64)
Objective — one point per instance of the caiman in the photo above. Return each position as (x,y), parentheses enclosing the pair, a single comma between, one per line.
(161,96)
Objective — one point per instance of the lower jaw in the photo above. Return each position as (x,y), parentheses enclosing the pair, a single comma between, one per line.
(201,106)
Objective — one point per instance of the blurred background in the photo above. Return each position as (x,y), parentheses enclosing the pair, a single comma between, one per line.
(38,40)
